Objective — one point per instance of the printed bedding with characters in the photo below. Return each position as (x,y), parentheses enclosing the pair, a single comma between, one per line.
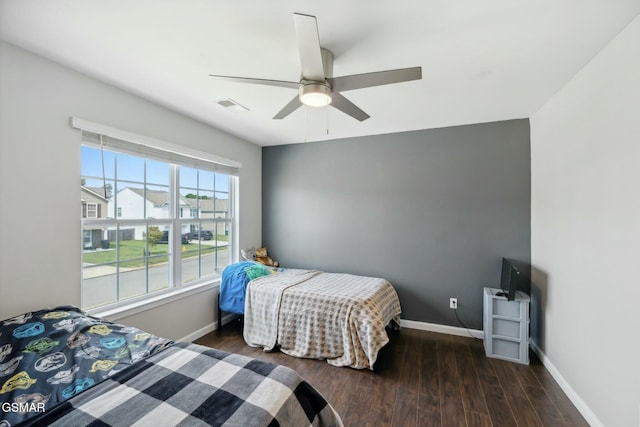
(49,356)
(62,367)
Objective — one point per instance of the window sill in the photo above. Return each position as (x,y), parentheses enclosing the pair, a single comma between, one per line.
(127,310)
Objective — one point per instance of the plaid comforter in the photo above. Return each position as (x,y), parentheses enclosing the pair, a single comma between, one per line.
(188,384)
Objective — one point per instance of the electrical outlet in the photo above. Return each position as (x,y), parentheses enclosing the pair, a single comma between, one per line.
(453,303)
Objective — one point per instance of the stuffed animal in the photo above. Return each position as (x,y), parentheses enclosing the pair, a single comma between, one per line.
(263,258)
(258,255)
(249,254)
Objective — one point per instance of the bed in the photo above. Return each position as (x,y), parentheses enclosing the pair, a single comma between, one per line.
(61,367)
(342,318)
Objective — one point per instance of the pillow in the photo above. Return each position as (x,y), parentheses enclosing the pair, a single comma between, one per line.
(256,270)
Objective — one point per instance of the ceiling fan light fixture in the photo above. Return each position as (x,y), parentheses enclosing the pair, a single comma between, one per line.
(317,86)
(315,94)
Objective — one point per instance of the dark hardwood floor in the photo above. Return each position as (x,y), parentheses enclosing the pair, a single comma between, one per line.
(429,379)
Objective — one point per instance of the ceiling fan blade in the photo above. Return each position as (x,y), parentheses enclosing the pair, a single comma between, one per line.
(343,104)
(359,81)
(265,82)
(309,45)
(292,106)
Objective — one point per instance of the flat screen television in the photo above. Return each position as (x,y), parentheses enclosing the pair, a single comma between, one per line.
(513,279)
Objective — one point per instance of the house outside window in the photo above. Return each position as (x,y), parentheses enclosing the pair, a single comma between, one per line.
(147,244)
(94,205)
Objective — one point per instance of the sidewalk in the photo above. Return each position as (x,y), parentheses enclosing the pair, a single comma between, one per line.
(218,243)
(102,270)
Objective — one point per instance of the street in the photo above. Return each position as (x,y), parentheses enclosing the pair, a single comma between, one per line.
(101,290)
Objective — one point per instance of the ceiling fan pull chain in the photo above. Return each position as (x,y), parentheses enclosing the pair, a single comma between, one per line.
(327,121)
(306,124)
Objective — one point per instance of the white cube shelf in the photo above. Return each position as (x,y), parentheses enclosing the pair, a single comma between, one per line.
(506,326)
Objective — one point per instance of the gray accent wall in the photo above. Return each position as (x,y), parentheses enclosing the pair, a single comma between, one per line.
(432,211)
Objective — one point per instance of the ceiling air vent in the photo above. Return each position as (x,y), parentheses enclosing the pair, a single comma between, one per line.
(232,105)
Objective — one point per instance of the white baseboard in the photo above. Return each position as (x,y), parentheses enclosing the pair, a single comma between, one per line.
(200,332)
(577,401)
(442,329)
(207,329)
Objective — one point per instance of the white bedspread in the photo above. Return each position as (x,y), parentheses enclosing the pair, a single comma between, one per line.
(340,317)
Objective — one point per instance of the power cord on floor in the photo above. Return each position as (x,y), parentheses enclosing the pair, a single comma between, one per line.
(463,325)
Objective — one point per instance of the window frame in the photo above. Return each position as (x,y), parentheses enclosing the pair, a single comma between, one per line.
(95,210)
(176,287)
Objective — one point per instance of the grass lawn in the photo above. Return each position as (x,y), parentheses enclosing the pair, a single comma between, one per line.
(134,250)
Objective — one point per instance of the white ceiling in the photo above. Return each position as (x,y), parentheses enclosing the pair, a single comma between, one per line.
(481,60)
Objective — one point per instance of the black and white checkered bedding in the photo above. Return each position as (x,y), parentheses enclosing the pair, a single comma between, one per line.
(188,384)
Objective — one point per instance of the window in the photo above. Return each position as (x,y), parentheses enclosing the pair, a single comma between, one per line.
(92,210)
(166,223)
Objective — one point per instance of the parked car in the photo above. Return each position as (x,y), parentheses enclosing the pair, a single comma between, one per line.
(165,238)
(202,235)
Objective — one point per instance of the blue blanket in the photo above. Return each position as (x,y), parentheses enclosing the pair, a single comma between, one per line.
(234,286)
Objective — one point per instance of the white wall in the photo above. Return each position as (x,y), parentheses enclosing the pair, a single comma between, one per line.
(40,172)
(585,152)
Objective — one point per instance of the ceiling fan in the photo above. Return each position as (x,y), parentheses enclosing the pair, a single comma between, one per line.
(317,86)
